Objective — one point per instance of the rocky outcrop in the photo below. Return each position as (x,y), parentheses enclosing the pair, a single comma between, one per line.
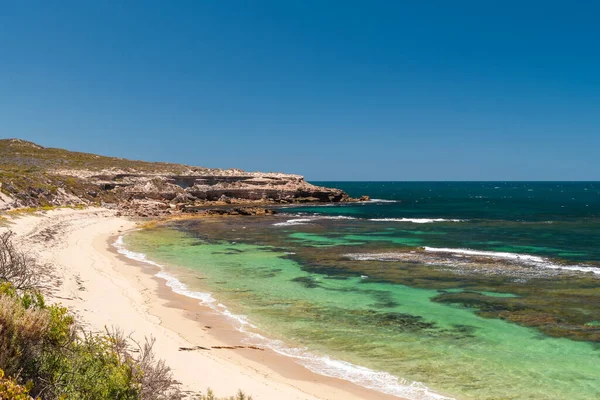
(34,176)
(231,211)
(255,187)
(6,201)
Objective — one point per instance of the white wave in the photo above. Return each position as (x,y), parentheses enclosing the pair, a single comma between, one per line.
(416,220)
(297,221)
(494,254)
(362,376)
(382,201)
(303,221)
(323,365)
(175,284)
(178,287)
(528,259)
(120,246)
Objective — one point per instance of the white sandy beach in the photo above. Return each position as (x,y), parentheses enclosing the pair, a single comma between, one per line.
(104,289)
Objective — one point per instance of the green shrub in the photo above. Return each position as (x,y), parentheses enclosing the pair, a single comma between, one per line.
(22,335)
(39,346)
(93,370)
(11,390)
(48,357)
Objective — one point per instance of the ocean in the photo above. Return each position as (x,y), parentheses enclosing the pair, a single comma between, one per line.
(466,290)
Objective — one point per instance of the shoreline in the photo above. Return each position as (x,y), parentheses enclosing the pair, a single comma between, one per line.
(94,281)
(288,359)
(209,330)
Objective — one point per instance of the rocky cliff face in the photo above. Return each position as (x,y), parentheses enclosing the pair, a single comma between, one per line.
(277,188)
(31,176)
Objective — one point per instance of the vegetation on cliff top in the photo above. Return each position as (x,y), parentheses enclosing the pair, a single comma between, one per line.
(35,176)
(28,174)
(30,157)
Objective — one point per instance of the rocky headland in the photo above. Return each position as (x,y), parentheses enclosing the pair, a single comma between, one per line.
(35,176)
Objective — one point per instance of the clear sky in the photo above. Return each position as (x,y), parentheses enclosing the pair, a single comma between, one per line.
(333,90)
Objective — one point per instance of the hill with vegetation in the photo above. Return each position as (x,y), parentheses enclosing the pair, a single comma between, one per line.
(35,176)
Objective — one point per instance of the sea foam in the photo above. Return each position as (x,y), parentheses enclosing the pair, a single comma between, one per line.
(291,222)
(528,259)
(416,220)
(303,221)
(307,220)
(323,365)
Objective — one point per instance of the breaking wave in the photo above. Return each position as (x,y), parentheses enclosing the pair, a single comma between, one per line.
(416,220)
(383,201)
(528,259)
(308,219)
(297,221)
(303,221)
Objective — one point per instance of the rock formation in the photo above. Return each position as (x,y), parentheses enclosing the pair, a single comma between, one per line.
(33,176)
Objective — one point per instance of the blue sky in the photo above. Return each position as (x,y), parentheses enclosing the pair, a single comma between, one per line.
(397,90)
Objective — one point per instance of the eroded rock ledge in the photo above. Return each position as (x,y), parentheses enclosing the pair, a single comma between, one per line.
(168,194)
(36,176)
(276,188)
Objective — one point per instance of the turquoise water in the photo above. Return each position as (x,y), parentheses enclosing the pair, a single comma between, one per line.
(370,293)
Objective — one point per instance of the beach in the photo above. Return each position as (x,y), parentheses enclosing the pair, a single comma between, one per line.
(296,200)
(437,291)
(106,290)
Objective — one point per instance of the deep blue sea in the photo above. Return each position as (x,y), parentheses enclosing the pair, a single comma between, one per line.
(548,218)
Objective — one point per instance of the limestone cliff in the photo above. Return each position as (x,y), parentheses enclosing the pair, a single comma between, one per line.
(33,176)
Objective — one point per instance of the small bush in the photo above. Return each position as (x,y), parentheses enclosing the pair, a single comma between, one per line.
(211,396)
(16,266)
(39,345)
(10,389)
(49,357)
(22,335)
(154,376)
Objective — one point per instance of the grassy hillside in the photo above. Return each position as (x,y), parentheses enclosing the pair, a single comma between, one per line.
(35,176)
(30,157)
(29,174)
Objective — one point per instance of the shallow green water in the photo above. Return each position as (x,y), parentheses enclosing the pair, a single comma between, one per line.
(373,320)
(479,290)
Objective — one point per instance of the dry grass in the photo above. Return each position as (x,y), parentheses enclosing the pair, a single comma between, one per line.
(16,266)
(21,332)
(153,376)
(31,158)
(29,174)
(211,396)
(33,210)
